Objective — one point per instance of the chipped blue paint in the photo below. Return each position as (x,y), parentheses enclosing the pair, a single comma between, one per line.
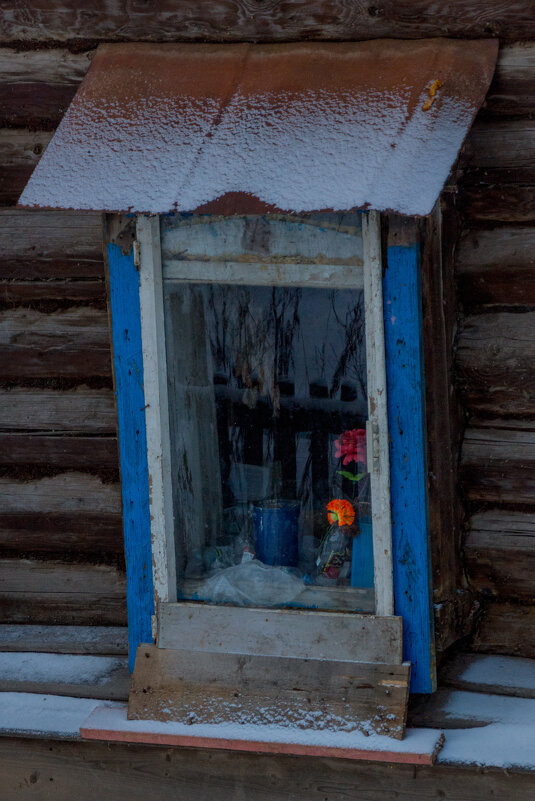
(408,486)
(128,368)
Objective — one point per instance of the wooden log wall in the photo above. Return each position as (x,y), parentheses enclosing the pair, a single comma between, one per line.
(61,548)
(61,517)
(495,355)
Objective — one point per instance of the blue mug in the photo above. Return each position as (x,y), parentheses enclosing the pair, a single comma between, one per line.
(276,532)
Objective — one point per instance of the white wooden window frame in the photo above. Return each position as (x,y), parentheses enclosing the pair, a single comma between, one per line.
(149,262)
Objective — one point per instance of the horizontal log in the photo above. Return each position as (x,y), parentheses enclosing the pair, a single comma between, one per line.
(496,267)
(512,91)
(35,244)
(511,203)
(20,151)
(73,675)
(498,465)
(56,593)
(66,493)
(495,357)
(500,151)
(72,452)
(78,534)
(240,20)
(36,86)
(71,342)
(78,411)
(109,640)
(506,628)
(35,292)
(500,554)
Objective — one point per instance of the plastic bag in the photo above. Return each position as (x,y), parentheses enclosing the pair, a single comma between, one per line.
(251,582)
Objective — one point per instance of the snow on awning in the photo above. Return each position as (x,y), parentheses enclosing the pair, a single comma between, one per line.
(251,128)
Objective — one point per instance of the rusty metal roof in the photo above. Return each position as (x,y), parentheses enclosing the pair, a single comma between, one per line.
(249,128)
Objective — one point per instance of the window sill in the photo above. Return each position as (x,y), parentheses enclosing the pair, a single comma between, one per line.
(419,747)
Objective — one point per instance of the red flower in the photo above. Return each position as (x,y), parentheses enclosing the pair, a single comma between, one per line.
(340,511)
(352,446)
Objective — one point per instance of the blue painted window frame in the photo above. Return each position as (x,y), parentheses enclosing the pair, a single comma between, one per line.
(406,418)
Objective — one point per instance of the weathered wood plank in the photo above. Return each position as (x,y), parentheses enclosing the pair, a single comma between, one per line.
(78,411)
(511,203)
(70,342)
(37,86)
(499,675)
(79,534)
(500,151)
(40,769)
(506,628)
(56,593)
(512,91)
(280,632)
(56,239)
(439,320)
(495,357)
(20,150)
(240,20)
(71,452)
(497,267)
(498,465)
(66,493)
(78,675)
(110,640)
(500,554)
(29,293)
(206,687)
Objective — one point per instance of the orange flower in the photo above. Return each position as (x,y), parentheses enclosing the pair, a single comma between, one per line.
(340,511)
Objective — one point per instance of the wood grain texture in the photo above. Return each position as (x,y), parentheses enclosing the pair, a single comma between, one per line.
(444,429)
(280,632)
(70,342)
(67,452)
(500,554)
(244,20)
(65,493)
(56,293)
(207,687)
(37,86)
(110,640)
(509,203)
(512,89)
(495,356)
(98,535)
(66,236)
(79,411)
(53,592)
(39,770)
(20,150)
(500,151)
(498,465)
(506,628)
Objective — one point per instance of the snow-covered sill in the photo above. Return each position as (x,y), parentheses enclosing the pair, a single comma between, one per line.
(507,741)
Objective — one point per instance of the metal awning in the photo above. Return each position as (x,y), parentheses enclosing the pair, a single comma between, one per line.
(251,128)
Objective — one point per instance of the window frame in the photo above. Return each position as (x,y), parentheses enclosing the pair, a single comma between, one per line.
(146,261)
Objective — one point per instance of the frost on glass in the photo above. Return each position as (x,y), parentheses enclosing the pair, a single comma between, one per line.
(268,423)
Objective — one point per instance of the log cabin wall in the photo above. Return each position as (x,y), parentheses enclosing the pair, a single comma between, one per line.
(60,520)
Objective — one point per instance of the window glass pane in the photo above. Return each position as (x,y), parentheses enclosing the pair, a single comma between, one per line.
(268,408)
